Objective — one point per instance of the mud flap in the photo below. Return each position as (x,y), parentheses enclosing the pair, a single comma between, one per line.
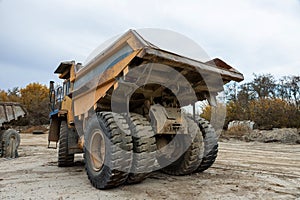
(54,131)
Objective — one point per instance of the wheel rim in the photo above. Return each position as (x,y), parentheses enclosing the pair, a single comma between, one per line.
(97,150)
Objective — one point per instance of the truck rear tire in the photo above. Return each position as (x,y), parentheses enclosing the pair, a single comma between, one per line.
(210,145)
(10,143)
(65,159)
(189,161)
(144,148)
(107,150)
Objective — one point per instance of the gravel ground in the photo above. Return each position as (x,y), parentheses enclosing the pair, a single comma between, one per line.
(242,171)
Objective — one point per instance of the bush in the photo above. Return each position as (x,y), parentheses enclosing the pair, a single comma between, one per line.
(273,113)
(266,113)
(237,132)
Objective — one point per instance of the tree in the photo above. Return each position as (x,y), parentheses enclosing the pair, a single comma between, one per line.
(3,96)
(295,89)
(231,91)
(14,94)
(35,99)
(264,85)
(282,89)
(289,89)
(245,94)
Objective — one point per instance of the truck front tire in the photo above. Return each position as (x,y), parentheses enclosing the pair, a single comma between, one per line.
(65,159)
(107,150)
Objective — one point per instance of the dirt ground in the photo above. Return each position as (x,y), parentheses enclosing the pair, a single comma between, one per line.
(242,171)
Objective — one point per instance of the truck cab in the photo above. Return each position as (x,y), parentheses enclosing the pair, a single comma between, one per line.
(61,103)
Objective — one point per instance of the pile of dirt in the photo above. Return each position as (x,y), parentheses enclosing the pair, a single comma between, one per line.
(283,135)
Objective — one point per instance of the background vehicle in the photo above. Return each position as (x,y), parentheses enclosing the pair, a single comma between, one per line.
(123,110)
(9,138)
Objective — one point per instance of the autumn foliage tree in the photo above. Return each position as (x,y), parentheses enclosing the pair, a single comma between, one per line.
(3,96)
(35,99)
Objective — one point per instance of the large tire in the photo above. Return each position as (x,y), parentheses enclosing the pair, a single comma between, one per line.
(189,161)
(10,143)
(107,150)
(65,159)
(144,148)
(210,145)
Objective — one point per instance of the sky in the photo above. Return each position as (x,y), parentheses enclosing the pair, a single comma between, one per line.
(254,36)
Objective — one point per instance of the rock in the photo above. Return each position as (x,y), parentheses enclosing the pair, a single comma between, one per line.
(247,124)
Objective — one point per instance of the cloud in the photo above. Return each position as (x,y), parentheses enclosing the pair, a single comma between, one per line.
(16,76)
(253,35)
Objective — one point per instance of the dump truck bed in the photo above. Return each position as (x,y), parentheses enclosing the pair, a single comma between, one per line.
(99,74)
(10,111)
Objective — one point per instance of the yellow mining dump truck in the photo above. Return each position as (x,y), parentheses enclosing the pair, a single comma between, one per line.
(123,110)
(9,138)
